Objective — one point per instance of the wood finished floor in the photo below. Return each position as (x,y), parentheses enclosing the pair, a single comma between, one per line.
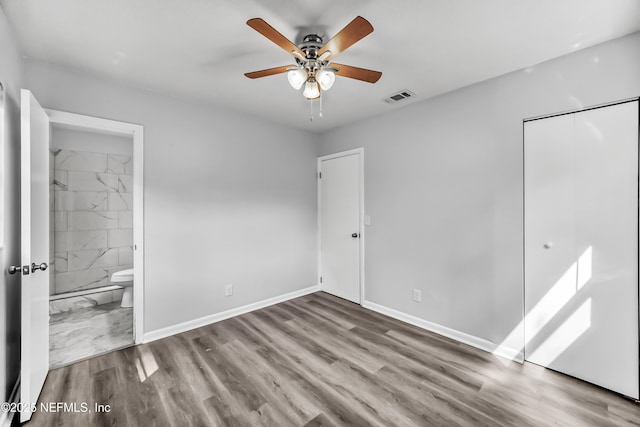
(321,361)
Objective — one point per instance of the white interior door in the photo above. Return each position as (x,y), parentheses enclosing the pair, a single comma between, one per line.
(35,250)
(340,225)
(581,245)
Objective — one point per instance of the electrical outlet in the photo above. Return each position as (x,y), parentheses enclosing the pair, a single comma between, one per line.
(417,295)
(228,290)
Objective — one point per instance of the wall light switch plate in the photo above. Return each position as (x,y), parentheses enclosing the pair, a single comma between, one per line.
(367,220)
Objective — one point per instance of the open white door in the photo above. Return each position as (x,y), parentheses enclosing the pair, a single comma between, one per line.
(35,250)
(340,229)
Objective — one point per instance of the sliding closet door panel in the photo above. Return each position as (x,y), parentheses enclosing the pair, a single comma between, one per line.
(549,233)
(581,245)
(607,224)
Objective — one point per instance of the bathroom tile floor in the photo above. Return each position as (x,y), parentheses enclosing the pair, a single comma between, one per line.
(78,334)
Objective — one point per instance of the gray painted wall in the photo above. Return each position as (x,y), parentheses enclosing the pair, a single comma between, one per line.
(443,186)
(82,140)
(229,198)
(11,79)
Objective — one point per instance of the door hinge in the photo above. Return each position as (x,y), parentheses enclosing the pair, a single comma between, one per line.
(320,279)
(319,175)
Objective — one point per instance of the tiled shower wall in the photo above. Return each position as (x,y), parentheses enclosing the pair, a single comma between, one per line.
(92,217)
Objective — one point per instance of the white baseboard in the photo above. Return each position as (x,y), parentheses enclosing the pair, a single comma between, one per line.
(207,320)
(7,417)
(465,338)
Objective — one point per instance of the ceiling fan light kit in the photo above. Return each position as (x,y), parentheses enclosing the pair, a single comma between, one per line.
(314,69)
(297,77)
(326,78)
(311,89)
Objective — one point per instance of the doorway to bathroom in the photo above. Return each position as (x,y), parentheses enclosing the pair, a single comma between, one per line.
(95,279)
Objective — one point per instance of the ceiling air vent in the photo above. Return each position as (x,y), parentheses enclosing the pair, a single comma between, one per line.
(396,97)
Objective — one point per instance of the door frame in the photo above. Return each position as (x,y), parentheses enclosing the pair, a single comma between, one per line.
(97,124)
(360,152)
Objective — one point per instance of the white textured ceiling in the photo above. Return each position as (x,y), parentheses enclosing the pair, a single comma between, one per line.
(201,48)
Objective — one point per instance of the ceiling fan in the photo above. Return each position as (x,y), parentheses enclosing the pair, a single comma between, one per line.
(313,68)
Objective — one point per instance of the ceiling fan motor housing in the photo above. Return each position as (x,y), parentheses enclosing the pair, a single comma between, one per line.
(311,44)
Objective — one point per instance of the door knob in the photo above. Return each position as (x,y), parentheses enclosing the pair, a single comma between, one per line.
(15,269)
(354,235)
(548,245)
(35,267)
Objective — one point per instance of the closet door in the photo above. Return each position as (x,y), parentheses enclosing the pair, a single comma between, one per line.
(581,245)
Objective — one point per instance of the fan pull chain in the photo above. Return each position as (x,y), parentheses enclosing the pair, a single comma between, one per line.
(311,110)
(320,113)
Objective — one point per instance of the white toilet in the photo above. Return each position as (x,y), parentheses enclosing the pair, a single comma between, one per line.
(124,278)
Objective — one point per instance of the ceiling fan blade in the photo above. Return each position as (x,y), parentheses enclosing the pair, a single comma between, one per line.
(352,33)
(363,74)
(272,34)
(269,72)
